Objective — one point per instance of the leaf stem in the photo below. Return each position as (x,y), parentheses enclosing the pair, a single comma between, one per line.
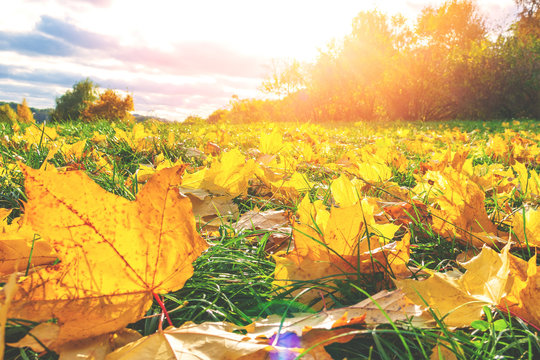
(162,306)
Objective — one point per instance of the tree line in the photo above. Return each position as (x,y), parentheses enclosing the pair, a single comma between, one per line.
(446,65)
(84,102)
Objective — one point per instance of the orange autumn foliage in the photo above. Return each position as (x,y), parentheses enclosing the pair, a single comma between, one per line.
(110,106)
(24,113)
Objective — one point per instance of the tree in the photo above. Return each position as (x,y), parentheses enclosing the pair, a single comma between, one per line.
(71,105)
(345,80)
(528,24)
(7,114)
(285,78)
(24,112)
(455,25)
(110,106)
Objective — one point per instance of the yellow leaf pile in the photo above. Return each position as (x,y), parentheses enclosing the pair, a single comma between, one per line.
(341,211)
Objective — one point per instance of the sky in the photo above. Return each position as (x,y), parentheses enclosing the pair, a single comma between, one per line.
(177,58)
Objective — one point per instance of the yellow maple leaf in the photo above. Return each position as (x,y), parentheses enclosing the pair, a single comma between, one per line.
(529,181)
(526,227)
(494,279)
(460,211)
(292,187)
(271,143)
(115,254)
(350,243)
(228,176)
(345,193)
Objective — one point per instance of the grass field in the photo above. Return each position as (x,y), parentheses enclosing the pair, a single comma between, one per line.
(448,188)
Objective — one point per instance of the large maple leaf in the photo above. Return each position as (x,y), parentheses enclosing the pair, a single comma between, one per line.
(114,253)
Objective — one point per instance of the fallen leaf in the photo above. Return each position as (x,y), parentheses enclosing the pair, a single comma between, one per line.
(345,193)
(492,279)
(526,227)
(39,338)
(98,347)
(9,290)
(274,337)
(405,213)
(18,245)
(292,187)
(460,212)
(210,210)
(207,341)
(350,243)
(114,253)
(276,223)
(382,308)
(230,175)
(444,351)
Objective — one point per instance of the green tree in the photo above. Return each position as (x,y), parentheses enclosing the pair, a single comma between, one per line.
(71,105)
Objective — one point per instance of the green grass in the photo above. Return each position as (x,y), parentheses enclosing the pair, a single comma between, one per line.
(232,281)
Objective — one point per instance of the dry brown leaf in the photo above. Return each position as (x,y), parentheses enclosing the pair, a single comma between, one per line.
(274,222)
(207,341)
(114,253)
(271,220)
(47,333)
(381,308)
(395,306)
(95,348)
(218,341)
(211,210)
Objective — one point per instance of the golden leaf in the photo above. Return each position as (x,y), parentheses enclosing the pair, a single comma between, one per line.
(9,290)
(350,242)
(114,253)
(18,245)
(461,213)
(493,279)
(228,176)
(526,227)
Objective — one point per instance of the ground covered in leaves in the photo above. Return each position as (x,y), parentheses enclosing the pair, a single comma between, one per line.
(387,241)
